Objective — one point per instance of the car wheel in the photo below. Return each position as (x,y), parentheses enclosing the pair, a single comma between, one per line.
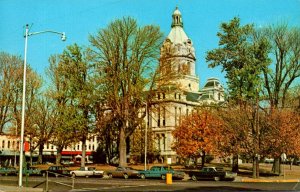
(143,176)
(110,175)
(125,176)
(217,178)
(163,177)
(73,175)
(194,178)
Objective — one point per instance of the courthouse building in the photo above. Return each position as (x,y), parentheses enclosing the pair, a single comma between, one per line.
(177,58)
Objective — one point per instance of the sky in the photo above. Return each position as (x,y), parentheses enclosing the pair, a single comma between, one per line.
(81,18)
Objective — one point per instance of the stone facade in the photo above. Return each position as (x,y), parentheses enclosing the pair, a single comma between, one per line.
(178,59)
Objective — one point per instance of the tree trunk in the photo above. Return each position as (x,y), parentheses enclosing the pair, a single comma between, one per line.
(58,155)
(203,159)
(255,167)
(235,163)
(40,157)
(276,169)
(30,160)
(83,151)
(122,148)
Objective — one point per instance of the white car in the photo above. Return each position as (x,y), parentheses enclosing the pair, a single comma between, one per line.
(87,172)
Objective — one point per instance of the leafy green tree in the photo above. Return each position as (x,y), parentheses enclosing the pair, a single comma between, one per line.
(65,118)
(124,56)
(79,90)
(243,56)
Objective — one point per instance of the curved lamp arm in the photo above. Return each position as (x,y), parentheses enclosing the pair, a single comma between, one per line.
(27,34)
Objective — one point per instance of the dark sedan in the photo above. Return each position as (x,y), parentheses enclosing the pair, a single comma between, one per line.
(125,172)
(56,170)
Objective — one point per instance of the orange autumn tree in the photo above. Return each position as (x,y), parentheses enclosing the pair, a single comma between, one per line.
(195,136)
(282,133)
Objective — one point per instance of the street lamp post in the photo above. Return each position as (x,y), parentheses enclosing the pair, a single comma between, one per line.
(16,147)
(27,34)
(146,127)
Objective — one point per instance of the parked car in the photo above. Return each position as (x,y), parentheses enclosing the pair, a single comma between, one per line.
(87,172)
(160,172)
(215,173)
(268,160)
(125,172)
(8,171)
(31,171)
(67,163)
(55,170)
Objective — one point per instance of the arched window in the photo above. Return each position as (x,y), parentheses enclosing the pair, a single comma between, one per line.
(158,117)
(164,141)
(164,116)
(158,142)
(175,116)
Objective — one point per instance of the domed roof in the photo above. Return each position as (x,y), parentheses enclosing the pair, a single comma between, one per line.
(177,34)
(176,12)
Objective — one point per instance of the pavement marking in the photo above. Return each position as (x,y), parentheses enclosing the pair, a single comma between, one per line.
(294,188)
(271,180)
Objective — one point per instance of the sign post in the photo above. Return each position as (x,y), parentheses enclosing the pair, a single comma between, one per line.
(169,174)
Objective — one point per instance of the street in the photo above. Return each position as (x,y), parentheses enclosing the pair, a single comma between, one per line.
(103,184)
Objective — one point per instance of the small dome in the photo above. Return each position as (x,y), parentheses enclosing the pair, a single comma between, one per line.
(176,12)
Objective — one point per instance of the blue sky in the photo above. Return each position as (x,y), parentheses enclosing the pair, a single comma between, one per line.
(79,18)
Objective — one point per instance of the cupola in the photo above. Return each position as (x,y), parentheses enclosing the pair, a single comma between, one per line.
(177,20)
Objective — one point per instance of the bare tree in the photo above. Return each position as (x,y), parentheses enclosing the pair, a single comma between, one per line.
(285,68)
(10,87)
(125,57)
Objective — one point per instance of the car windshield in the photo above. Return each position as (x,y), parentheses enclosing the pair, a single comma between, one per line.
(167,168)
(219,169)
(129,168)
(91,168)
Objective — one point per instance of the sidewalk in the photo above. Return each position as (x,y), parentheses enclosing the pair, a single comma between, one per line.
(5,188)
(265,180)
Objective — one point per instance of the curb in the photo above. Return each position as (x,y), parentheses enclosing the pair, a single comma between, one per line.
(270,180)
(6,188)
